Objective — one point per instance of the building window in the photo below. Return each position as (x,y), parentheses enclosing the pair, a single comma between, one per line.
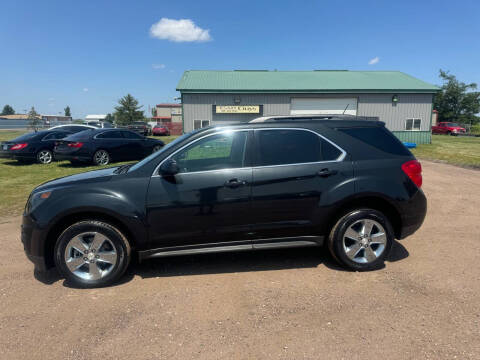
(413,124)
(198,124)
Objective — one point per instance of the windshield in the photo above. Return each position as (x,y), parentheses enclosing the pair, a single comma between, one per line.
(85,134)
(166,147)
(453,124)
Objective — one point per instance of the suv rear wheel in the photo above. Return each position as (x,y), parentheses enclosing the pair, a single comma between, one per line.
(361,239)
(92,254)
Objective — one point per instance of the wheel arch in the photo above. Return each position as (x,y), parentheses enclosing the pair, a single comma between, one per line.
(374,202)
(64,222)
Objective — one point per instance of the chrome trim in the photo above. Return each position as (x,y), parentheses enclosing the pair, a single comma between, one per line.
(339,159)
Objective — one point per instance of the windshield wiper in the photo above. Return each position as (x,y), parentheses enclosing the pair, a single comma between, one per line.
(122,169)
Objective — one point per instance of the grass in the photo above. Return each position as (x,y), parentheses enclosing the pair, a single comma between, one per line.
(455,150)
(18,180)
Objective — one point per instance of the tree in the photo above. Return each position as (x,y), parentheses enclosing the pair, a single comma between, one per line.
(34,120)
(7,110)
(67,111)
(128,111)
(457,102)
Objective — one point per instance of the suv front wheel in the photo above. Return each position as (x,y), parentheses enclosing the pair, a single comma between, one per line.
(361,240)
(92,254)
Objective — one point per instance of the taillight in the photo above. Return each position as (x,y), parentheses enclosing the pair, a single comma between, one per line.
(413,169)
(19,146)
(75,145)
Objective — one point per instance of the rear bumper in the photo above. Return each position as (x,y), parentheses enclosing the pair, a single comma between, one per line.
(413,215)
(33,240)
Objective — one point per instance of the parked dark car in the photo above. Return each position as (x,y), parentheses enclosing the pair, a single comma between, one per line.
(160,130)
(348,184)
(31,147)
(140,127)
(102,146)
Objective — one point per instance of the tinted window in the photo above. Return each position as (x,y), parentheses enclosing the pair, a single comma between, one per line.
(115,134)
(280,147)
(378,137)
(28,136)
(131,135)
(74,128)
(56,135)
(221,151)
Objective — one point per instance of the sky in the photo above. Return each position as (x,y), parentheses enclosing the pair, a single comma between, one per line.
(88,54)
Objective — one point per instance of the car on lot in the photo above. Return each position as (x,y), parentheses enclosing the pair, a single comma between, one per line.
(33,147)
(160,130)
(448,128)
(102,146)
(140,127)
(348,184)
(73,128)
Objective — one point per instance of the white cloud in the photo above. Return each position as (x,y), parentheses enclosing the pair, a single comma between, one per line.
(183,30)
(158,66)
(374,61)
(85,89)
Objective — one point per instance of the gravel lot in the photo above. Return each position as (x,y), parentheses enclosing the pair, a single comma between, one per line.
(289,304)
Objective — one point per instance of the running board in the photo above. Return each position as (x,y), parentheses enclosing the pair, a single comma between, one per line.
(260,244)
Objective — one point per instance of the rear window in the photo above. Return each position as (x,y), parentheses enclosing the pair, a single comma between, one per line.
(378,137)
(82,135)
(28,136)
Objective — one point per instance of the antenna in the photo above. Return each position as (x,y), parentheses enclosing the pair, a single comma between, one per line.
(346,107)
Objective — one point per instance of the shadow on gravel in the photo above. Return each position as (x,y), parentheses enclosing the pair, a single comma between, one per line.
(224,263)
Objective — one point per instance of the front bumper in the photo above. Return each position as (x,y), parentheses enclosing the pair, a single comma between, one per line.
(33,240)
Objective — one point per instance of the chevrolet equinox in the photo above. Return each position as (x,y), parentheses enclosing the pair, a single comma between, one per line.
(343,182)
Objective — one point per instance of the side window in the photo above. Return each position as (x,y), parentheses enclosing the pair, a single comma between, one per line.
(60,135)
(131,135)
(198,124)
(413,124)
(281,147)
(379,138)
(49,137)
(110,135)
(221,151)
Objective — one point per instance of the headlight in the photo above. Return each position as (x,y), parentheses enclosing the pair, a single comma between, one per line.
(36,199)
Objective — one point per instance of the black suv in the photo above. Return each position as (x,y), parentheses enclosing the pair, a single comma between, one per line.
(348,184)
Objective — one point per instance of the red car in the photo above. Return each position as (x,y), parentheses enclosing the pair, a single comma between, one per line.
(448,128)
(160,130)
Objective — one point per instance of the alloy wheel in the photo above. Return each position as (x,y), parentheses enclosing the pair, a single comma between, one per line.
(101,157)
(90,256)
(45,157)
(156,148)
(364,241)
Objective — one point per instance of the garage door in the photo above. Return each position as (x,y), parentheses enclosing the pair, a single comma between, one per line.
(302,106)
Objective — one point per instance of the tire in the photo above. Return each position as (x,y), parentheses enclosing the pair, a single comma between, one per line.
(156,148)
(44,156)
(357,249)
(92,254)
(101,157)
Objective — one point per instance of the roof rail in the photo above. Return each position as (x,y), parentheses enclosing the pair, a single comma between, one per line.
(306,117)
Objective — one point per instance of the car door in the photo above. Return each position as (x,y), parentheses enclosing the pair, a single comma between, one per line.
(135,145)
(113,142)
(208,201)
(293,174)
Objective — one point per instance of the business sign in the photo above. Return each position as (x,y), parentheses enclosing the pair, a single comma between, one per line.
(236,109)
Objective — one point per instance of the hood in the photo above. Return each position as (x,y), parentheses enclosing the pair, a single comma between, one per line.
(86,177)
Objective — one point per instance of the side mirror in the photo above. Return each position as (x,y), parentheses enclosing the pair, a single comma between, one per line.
(169,168)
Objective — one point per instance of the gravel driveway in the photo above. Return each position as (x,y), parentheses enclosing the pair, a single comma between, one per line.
(284,304)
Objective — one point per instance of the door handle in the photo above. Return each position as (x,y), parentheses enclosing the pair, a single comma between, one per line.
(326,172)
(234,183)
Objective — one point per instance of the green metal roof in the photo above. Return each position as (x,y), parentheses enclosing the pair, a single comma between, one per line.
(323,81)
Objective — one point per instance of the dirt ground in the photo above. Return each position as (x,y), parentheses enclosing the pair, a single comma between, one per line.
(288,304)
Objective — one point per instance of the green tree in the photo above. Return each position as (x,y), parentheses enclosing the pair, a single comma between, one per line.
(7,110)
(128,110)
(34,119)
(457,101)
(67,111)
